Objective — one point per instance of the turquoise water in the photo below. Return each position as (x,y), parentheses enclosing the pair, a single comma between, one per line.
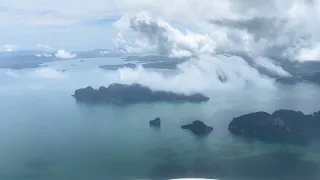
(46,134)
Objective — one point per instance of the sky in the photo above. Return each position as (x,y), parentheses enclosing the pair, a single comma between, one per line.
(273,29)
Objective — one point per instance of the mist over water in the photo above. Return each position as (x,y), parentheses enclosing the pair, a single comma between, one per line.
(208,73)
(46,134)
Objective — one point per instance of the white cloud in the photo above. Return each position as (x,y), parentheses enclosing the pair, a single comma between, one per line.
(206,71)
(180,53)
(10,47)
(44,47)
(62,54)
(209,71)
(270,66)
(261,29)
(45,55)
(119,40)
(206,74)
(269,30)
(153,34)
(311,53)
(166,40)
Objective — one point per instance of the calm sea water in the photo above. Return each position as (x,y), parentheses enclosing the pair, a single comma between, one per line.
(46,134)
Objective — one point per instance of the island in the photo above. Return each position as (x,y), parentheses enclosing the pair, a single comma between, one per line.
(118,66)
(133,93)
(198,128)
(155,123)
(283,126)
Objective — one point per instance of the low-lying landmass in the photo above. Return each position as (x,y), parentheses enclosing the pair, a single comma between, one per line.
(154,58)
(27,59)
(148,65)
(162,65)
(134,93)
(283,126)
(24,62)
(117,66)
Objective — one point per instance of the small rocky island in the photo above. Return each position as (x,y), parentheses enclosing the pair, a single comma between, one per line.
(155,123)
(134,93)
(198,128)
(283,126)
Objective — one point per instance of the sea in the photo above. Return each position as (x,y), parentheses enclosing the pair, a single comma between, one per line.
(46,135)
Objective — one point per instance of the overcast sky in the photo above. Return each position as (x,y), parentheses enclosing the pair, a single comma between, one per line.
(174,27)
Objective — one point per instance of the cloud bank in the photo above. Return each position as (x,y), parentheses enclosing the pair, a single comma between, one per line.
(10,47)
(158,36)
(242,42)
(62,54)
(271,66)
(207,73)
(311,53)
(272,37)
(231,54)
(45,55)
